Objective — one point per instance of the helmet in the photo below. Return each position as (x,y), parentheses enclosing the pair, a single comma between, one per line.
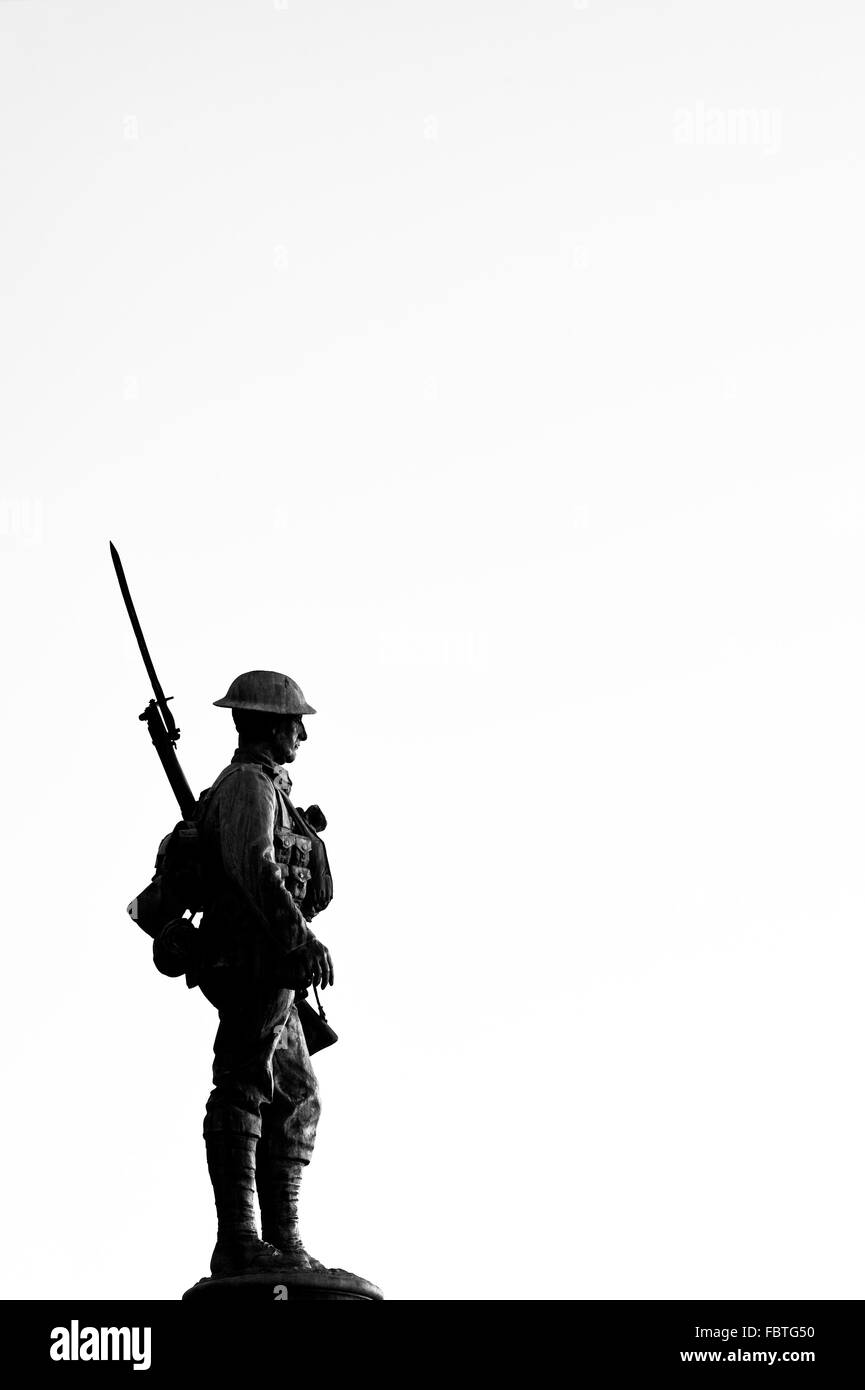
(267,691)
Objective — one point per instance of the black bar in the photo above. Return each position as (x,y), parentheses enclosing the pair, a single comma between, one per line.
(561,1341)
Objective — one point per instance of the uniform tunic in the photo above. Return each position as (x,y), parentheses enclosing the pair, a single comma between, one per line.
(263,1082)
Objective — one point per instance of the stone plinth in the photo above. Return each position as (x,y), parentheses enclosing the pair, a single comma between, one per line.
(284,1286)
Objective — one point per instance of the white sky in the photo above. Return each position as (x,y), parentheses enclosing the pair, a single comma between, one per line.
(478,365)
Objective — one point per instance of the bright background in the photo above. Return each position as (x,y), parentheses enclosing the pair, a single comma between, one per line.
(412,348)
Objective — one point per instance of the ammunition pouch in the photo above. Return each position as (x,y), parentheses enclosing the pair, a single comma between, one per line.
(292,854)
(319,890)
(318,883)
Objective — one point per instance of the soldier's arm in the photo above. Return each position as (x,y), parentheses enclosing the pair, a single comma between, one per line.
(246,820)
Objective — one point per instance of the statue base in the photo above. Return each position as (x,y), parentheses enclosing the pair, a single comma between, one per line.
(284,1286)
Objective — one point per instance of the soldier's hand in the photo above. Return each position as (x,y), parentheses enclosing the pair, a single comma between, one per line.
(321,965)
(310,965)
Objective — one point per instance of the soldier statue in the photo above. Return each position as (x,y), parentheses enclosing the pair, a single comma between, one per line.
(266,877)
(255,867)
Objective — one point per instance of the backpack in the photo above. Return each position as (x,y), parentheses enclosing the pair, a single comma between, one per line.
(177,888)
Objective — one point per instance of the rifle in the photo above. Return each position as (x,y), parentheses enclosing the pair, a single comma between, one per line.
(165,734)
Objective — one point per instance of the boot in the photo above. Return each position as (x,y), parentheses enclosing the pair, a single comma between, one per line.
(238,1249)
(278,1180)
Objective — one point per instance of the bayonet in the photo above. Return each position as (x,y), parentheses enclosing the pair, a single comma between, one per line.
(157,716)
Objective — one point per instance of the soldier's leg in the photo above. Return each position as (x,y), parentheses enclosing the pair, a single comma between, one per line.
(289,1125)
(251,1023)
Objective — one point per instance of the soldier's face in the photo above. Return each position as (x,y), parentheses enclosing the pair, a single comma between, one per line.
(287,737)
